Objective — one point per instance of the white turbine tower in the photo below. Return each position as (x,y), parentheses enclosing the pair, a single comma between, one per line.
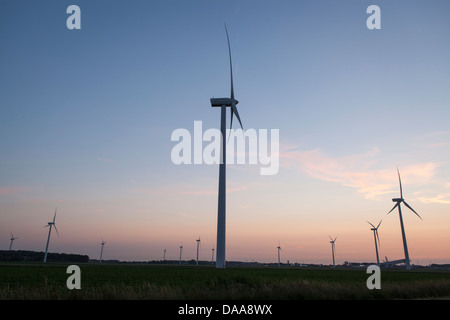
(164,259)
(279,249)
(181,249)
(397,205)
(333,248)
(50,225)
(212,255)
(198,245)
(223,103)
(376,237)
(12,239)
(101,251)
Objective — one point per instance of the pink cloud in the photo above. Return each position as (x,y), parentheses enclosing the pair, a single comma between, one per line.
(356,170)
(440,198)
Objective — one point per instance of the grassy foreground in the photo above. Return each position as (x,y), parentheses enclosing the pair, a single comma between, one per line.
(135,281)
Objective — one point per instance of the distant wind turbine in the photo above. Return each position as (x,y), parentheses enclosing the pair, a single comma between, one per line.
(333,248)
(397,205)
(164,259)
(12,239)
(198,245)
(279,249)
(101,251)
(212,256)
(376,237)
(50,225)
(181,249)
(223,103)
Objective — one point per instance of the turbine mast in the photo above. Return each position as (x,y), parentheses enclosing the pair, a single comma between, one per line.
(221,212)
(48,240)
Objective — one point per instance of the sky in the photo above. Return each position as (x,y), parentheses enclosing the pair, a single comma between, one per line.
(87,117)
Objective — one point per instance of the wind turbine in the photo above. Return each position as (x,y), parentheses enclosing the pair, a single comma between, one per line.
(101,251)
(376,237)
(332,248)
(397,205)
(50,225)
(279,249)
(12,239)
(181,249)
(212,255)
(164,254)
(198,245)
(223,103)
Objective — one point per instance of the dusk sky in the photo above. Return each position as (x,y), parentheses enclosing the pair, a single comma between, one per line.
(87,117)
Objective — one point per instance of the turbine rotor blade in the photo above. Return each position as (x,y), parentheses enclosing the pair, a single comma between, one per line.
(404,202)
(378,224)
(378,237)
(396,205)
(370,224)
(234,110)
(231,64)
(400,182)
(56,229)
(54,217)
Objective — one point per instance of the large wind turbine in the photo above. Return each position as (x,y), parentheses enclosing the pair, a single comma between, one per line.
(12,239)
(376,237)
(279,249)
(223,103)
(101,251)
(397,205)
(50,225)
(333,248)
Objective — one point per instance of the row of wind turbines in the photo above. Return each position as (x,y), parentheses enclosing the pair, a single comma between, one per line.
(399,201)
(376,236)
(231,102)
(50,225)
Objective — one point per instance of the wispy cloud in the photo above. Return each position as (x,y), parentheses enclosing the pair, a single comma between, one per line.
(10,190)
(440,198)
(357,170)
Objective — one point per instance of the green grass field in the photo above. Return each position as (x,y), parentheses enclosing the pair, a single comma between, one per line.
(173,282)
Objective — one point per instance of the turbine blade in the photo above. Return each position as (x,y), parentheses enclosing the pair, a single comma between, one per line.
(56,230)
(400,182)
(404,202)
(231,64)
(378,237)
(234,110)
(54,217)
(396,205)
(379,224)
(370,224)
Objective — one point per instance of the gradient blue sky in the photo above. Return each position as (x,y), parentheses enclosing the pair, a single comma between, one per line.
(87,116)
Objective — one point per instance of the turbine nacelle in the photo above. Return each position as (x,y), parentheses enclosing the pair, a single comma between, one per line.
(397,199)
(221,102)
